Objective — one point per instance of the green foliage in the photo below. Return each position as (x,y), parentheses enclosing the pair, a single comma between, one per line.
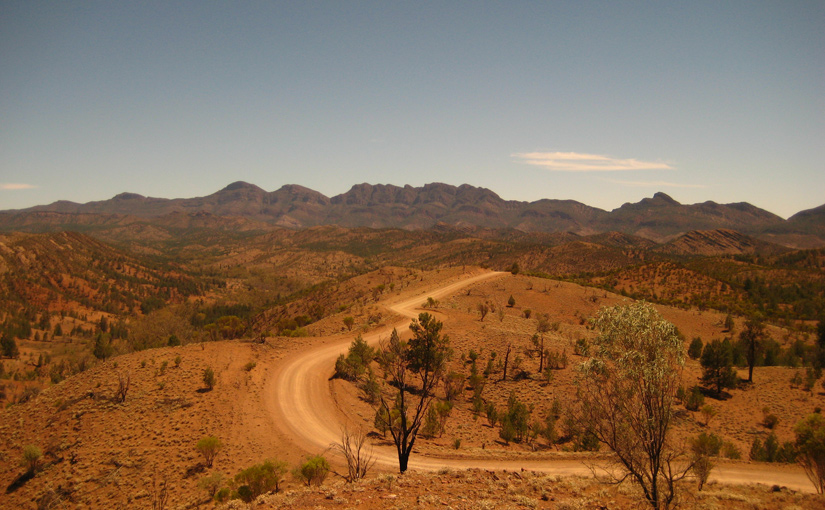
(355,363)
(511,302)
(31,457)
(261,478)
(349,322)
(772,451)
(627,389)
(717,366)
(314,470)
(209,447)
(810,447)
(695,348)
(9,346)
(694,400)
(211,484)
(209,378)
(515,422)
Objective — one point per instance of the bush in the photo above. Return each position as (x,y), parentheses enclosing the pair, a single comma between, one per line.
(260,479)
(313,471)
(209,447)
(31,457)
(694,400)
(211,484)
(209,378)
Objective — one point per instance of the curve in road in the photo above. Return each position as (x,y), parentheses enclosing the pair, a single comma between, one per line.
(300,397)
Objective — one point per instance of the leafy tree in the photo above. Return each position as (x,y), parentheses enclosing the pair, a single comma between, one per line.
(695,348)
(349,322)
(355,363)
(209,447)
(515,423)
(511,302)
(702,449)
(9,346)
(717,366)
(413,370)
(103,348)
(751,336)
(810,446)
(627,389)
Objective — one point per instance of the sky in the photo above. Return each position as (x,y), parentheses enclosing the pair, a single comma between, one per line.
(599,102)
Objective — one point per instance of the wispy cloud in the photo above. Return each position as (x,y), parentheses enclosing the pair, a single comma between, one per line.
(578,162)
(654,184)
(13,186)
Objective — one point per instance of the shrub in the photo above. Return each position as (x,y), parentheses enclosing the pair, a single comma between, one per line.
(209,447)
(31,457)
(249,366)
(694,400)
(211,484)
(313,471)
(261,478)
(209,378)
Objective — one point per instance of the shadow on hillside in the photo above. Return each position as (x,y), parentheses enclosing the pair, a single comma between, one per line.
(19,481)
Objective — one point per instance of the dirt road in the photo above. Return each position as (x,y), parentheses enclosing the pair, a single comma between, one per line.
(300,399)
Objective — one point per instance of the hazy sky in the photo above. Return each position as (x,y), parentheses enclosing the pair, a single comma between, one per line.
(600,102)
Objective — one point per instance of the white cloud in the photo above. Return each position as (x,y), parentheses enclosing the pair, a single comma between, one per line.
(577,162)
(14,186)
(654,184)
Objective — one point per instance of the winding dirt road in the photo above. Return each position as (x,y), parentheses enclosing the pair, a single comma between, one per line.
(299,396)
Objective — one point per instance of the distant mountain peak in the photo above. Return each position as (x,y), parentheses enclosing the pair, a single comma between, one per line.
(128,196)
(241,185)
(664,197)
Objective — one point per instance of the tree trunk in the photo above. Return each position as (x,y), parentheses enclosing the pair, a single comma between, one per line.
(506,361)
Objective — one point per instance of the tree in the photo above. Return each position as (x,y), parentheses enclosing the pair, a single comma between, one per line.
(9,346)
(483,309)
(717,365)
(751,336)
(695,348)
(810,446)
(627,391)
(413,370)
(209,447)
(103,348)
(349,322)
(511,302)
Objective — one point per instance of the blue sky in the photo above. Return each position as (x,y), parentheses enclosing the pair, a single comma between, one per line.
(600,102)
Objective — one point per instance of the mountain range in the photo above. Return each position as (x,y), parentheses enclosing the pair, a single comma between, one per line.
(241,205)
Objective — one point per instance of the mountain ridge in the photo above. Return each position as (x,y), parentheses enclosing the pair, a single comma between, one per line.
(659,218)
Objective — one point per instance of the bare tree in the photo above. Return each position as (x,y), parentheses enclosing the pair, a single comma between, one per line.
(626,392)
(123,381)
(358,453)
(412,370)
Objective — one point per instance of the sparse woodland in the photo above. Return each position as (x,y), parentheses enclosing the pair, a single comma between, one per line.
(130,369)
